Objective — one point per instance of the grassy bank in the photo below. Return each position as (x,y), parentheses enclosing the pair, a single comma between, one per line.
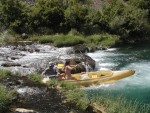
(64,40)
(6,94)
(60,40)
(110,104)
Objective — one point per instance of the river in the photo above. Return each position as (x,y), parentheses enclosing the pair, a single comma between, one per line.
(135,87)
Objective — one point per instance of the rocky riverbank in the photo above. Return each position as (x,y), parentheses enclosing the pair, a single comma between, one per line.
(33,57)
(35,97)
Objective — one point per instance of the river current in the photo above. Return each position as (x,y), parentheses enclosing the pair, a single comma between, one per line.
(135,87)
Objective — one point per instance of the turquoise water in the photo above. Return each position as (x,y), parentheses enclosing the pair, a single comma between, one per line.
(136,87)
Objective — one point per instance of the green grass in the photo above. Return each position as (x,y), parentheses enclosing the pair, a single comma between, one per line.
(8,37)
(72,93)
(120,104)
(106,40)
(60,40)
(36,78)
(78,97)
(6,73)
(113,105)
(5,99)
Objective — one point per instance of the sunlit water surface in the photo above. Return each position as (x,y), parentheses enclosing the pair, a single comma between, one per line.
(135,87)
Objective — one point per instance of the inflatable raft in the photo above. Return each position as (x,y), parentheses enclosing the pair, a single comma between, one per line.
(99,77)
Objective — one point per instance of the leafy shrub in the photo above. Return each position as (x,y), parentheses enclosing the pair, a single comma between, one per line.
(125,19)
(7,37)
(15,15)
(75,14)
(48,13)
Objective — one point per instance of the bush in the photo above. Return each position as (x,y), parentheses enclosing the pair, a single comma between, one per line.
(75,14)
(48,13)
(15,15)
(126,20)
(7,37)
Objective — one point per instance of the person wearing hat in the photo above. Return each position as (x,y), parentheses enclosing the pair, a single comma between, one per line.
(51,71)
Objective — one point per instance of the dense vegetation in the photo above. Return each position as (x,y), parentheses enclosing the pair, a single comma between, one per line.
(126,19)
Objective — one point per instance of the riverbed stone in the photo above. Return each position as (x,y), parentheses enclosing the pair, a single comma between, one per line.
(10,64)
(23,110)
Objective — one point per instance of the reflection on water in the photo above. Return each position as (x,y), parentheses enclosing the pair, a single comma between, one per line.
(134,87)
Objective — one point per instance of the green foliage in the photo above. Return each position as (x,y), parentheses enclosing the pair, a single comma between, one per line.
(42,39)
(5,99)
(60,40)
(74,32)
(110,40)
(71,92)
(6,73)
(67,86)
(120,104)
(102,40)
(48,13)
(35,77)
(7,37)
(54,82)
(75,14)
(15,15)
(68,40)
(78,97)
(125,19)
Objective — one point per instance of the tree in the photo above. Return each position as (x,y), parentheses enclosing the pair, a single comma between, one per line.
(15,15)
(48,13)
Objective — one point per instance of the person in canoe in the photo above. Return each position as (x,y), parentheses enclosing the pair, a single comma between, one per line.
(67,69)
(51,71)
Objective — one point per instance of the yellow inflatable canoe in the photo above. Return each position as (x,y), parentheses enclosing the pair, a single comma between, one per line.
(99,77)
